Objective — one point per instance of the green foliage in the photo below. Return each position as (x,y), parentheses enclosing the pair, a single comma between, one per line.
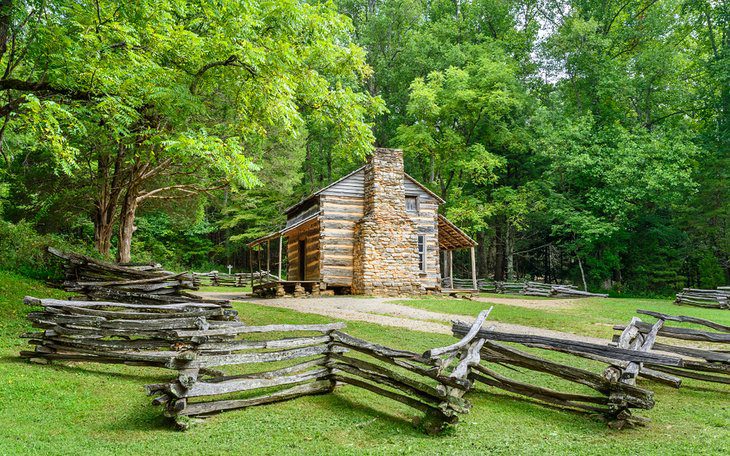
(556,132)
(23,250)
(181,244)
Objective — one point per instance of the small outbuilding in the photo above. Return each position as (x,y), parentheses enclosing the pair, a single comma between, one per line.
(376,231)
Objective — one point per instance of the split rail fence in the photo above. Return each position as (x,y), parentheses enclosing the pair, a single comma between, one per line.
(222,364)
(615,397)
(239,279)
(215,355)
(710,364)
(96,280)
(537,289)
(717,299)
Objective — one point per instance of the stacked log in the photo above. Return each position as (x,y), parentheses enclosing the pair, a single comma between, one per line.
(546,290)
(509,287)
(552,290)
(239,279)
(562,291)
(122,333)
(207,380)
(557,291)
(615,397)
(97,280)
(321,363)
(706,364)
(538,289)
(717,299)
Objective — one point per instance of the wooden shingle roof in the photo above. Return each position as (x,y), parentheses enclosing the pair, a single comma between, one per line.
(451,237)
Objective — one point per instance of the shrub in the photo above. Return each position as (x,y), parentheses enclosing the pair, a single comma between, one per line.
(23,250)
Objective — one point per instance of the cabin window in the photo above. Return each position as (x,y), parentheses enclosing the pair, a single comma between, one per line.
(411,203)
(422,253)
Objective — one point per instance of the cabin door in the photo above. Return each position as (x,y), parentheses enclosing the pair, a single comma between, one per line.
(302,258)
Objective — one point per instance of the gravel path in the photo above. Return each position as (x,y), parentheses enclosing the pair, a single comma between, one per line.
(384,311)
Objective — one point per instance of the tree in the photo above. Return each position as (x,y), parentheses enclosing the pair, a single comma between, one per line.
(162,99)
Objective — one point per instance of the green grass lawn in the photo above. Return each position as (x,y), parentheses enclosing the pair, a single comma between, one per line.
(588,317)
(83,408)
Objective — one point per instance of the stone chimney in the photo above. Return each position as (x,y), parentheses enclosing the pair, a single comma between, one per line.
(385,254)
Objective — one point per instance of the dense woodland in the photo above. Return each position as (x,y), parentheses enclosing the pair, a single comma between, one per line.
(575,140)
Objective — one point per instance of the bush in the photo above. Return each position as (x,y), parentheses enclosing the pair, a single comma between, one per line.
(23,250)
(711,273)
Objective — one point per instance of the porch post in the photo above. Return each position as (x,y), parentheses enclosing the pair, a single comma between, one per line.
(451,269)
(258,260)
(473,269)
(268,255)
(250,265)
(281,240)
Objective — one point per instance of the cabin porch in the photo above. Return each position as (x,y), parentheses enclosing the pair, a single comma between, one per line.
(294,267)
(452,239)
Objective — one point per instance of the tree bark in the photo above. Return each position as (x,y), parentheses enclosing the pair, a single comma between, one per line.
(509,246)
(582,274)
(105,206)
(498,254)
(126,224)
(103,228)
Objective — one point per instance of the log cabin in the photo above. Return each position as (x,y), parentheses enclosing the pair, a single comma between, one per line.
(375,231)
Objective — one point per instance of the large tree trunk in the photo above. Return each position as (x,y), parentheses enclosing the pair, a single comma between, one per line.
(483,254)
(509,247)
(107,200)
(103,229)
(126,225)
(498,254)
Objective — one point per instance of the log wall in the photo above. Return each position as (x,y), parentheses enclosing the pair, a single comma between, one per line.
(342,205)
(310,233)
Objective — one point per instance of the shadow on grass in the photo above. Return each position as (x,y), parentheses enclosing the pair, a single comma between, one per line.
(703,389)
(557,413)
(149,418)
(384,419)
(88,367)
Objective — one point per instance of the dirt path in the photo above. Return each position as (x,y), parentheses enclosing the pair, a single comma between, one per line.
(384,311)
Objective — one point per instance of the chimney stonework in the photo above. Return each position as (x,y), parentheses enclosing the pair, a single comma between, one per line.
(385,253)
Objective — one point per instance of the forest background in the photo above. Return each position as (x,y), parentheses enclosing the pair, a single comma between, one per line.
(574,140)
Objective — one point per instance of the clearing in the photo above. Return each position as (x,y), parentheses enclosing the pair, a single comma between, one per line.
(83,408)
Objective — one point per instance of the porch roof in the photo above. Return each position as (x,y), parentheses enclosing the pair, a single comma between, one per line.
(451,237)
(283,231)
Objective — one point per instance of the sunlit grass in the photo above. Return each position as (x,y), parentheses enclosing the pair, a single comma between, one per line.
(83,408)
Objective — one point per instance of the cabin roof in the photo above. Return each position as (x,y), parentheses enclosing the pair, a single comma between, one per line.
(451,237)
(284,230)
(309,198)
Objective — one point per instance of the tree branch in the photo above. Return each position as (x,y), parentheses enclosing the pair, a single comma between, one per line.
(187,190)
(28,86)
(230,61)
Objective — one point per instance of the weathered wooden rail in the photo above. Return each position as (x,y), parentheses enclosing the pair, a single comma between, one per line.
(615,399)
(238,279)
(97,280)
(321,362)
(217,357)
(537,289)
(124,333)
(223,364)
(706,364)
(716,299)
